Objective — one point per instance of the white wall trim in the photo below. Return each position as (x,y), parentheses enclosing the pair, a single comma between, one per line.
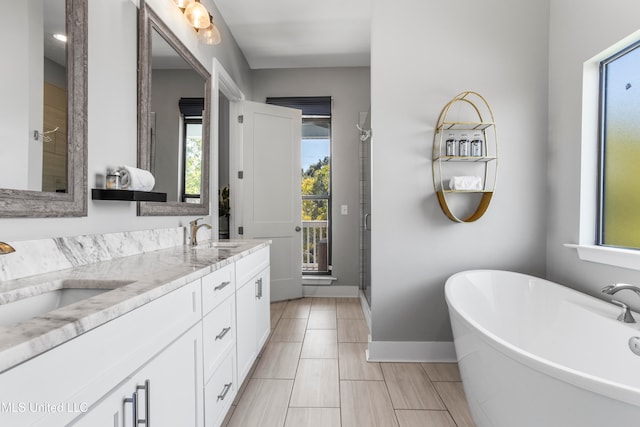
(619,257)
(411,351)
(337,291)
(223,82)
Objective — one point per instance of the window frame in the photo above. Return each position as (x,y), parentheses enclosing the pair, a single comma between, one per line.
(586,245)
(184,197)
(328,197)
(602,130)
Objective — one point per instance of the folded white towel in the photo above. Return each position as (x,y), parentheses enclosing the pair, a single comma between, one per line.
(468,183)
(136,179)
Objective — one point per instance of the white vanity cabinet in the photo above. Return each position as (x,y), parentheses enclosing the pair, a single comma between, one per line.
(167,391)
(252,308)
(177,360)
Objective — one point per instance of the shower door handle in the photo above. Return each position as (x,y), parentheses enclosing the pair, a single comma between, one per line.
(367,227)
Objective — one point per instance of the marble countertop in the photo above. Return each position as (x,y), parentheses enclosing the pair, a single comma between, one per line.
(136,280)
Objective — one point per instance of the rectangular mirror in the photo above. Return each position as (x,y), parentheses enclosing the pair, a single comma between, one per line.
(173,120)
(43,109)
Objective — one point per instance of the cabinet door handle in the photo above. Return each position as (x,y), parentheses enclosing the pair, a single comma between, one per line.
(259,288)
(225,390)
(147,404)
(134,409)
(222,285)
(224,332)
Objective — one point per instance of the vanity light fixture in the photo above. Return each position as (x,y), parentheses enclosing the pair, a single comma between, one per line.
(211,34)
(60,37)
(197,15)
(200,18)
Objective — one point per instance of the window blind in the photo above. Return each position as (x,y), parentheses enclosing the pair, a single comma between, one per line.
(191,107)
(310,105)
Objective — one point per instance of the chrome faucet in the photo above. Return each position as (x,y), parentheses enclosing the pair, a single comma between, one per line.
(625,316)
(194,230)
(6,248)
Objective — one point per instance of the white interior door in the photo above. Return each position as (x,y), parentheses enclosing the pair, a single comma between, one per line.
(271,193)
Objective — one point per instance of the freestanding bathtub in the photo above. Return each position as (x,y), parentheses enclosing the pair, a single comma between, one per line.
(533,353)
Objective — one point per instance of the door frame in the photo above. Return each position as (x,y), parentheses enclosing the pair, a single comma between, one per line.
(223,82)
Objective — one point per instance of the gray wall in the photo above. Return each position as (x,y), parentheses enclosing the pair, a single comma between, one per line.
(350,90)
(112,109)
(423,54)
(574,39)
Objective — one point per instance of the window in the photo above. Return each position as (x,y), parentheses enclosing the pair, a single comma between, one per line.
(316,180)
(619,195)
(191,148)
(316,193)
(192,156)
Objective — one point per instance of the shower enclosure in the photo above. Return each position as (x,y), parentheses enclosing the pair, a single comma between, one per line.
(365,205)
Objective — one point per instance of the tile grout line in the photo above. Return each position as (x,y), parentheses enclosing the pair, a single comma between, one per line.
(386,386)
(295,375)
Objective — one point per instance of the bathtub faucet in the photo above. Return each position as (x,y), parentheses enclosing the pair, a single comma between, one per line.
(625,316)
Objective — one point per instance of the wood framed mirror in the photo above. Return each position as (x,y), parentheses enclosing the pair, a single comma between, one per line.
(44,136)
(174,104)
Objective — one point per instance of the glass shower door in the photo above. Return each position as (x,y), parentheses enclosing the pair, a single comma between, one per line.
(365,204)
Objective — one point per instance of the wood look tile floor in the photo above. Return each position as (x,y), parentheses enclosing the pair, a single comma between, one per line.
(313,372)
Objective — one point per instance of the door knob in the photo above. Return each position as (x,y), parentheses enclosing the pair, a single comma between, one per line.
(298,228)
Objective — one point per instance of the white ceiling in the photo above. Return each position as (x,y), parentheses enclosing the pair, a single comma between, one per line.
(300,33)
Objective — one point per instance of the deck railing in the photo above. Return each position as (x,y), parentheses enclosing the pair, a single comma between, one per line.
(315,244)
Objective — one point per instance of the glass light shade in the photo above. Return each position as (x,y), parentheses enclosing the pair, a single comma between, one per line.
(197,15)
(210,35)
(183,3)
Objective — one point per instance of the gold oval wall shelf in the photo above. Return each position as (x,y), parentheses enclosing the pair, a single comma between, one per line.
(467,113)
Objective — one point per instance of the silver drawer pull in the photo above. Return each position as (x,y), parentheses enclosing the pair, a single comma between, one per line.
(222,285)
(223,333)
(225,390)
(147,402)
(134,411)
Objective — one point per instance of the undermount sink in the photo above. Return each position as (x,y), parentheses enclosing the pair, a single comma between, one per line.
(219,245)
(58,294)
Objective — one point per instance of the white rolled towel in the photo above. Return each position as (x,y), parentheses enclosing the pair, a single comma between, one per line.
(468,183)
(136,179)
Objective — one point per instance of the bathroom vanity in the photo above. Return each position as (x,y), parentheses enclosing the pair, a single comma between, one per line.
(169,345)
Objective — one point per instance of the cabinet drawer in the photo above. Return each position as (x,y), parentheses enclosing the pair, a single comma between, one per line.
(219,334)
(251,265)
(219,392)
(217,286)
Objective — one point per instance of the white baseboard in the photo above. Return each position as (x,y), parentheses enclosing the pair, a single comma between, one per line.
(337,291)
(411,351)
